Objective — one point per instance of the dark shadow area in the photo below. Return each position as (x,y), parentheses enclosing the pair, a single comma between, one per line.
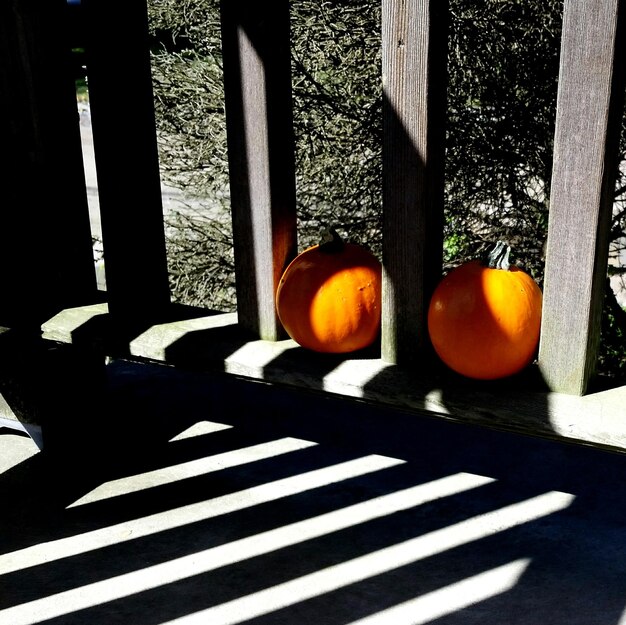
(302,507)
(40,152)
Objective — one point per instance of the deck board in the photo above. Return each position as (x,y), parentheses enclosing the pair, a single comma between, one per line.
(286,509)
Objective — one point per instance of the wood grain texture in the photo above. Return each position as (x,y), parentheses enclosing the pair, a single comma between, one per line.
(257,81)
(129,185)
(46,260)
(414,83)
(590,99)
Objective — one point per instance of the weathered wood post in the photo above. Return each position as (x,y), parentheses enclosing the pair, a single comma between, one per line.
(257,81)
(414,91)
(127,160)
(589,105)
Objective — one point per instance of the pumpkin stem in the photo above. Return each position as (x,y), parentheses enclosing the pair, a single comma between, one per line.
(330,241)
(498,257)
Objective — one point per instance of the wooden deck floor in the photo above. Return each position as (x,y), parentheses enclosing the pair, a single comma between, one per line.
(209,499)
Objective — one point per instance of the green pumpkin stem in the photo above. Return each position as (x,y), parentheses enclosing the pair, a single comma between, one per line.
(330,241)
(498,257)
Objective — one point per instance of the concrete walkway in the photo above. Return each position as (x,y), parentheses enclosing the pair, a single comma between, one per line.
(174,200)
(216,501)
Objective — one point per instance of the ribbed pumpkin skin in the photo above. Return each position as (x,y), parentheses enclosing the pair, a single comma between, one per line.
(330,301)
(484,323)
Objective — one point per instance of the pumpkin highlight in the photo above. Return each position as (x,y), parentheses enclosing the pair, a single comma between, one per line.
(484,319)
(328,299)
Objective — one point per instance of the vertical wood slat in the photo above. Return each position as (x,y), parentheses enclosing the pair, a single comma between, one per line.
(126,153)
(590,98)
(414,91)
(46,260)
(257,81)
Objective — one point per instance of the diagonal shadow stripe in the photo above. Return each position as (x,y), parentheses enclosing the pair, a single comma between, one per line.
(192,468)
(452,598)
(313,584)
(377,562)
(178,517)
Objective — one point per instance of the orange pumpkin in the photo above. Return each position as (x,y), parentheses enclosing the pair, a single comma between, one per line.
(328,298)
(484,319)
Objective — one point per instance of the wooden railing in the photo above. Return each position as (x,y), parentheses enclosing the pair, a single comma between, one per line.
(45,247)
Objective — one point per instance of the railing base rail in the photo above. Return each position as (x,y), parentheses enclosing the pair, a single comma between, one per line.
(215,343)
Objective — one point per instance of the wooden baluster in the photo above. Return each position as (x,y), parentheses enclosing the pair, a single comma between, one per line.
(414,83)
(129,186)
(590,99)
(261,157)
(46,260)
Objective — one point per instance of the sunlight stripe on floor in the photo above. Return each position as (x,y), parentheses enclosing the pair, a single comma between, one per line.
(211,559)
(192,468)
(451,598)
(44,553)
(293,591)
(201,428)
(377,562)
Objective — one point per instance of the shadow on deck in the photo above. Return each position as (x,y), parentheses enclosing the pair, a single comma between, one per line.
(210,499)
